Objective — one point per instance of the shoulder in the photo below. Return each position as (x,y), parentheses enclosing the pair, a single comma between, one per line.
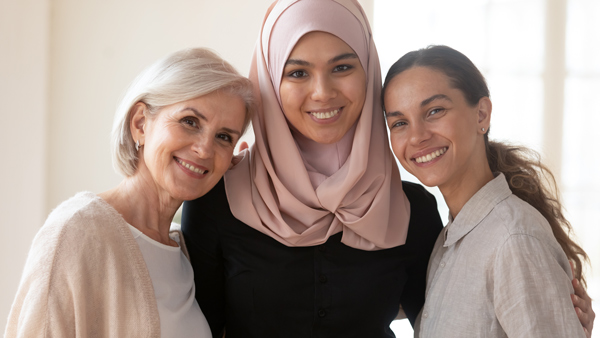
(215,201)
(82,224)
(423,207)
(526,233)
(518,217)
(74,234)
(83,214)
(417,193)
(209,211)
(425,223)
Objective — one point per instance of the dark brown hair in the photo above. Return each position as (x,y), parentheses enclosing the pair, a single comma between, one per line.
(528,178)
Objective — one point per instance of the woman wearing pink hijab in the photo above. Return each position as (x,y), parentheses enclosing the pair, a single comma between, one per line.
(312,233)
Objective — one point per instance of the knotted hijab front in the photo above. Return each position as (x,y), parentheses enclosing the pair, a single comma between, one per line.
(300,192)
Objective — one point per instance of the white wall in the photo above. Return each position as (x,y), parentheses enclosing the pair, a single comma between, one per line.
(63,66)
(98,47)
(23,105)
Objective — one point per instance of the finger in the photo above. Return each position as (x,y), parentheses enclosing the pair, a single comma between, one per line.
(583,317)
(582,293)
(244,145)
(587,333)
(579,302)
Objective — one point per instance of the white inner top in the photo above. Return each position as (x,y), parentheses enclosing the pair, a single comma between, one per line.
(173,281)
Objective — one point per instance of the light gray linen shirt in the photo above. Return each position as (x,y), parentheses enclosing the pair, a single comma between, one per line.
(497,271)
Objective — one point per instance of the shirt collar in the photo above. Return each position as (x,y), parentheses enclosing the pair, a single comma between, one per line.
(477,208)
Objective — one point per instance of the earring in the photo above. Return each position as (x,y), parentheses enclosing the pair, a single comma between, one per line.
(483,130)
(137,145)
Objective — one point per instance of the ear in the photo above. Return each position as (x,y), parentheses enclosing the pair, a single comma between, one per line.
(138,122)
(484,114)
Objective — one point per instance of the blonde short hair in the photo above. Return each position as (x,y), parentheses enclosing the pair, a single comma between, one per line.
(181,76)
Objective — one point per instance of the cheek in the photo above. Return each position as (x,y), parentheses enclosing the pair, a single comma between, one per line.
(291,98)
(398,145)
(222,160)
(356,90)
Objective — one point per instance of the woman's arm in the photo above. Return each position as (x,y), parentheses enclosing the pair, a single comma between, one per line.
(31,312)
(424,228)
(199,224)
(531,283)
(583,305)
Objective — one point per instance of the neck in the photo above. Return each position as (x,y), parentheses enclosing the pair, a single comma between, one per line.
(145,206)
(459,191)
(323,160)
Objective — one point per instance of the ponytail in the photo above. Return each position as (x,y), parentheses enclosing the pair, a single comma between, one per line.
(532,181)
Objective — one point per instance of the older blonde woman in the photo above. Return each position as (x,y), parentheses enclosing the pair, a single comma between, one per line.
(108,265)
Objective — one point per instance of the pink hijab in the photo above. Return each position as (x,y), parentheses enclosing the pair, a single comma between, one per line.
(300,192)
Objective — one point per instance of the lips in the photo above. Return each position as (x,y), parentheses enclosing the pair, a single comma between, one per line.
(325,115)
(431,156)
(200,171)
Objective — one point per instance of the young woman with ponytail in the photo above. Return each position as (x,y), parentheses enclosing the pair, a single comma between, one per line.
(500,268)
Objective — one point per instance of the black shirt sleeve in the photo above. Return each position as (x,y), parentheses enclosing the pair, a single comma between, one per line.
(200,224)
(424,228)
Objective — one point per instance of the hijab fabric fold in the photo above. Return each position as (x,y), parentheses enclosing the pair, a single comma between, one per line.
(300,192)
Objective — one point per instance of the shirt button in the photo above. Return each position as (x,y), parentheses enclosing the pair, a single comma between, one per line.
(322,313)
(425,314)
(442,264)
(323,279)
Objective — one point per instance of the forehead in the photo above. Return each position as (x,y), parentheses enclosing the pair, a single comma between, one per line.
(319,45)
(423,78)
(416,84)
(221,104)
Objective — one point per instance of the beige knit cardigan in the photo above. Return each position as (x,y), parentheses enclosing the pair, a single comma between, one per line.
(85,276)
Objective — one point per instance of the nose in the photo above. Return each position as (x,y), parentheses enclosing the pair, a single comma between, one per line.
(419,133)
(323,89)
(204,146)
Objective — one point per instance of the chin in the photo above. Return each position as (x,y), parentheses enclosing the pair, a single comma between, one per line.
(327,140)
(427,180)
(190,195)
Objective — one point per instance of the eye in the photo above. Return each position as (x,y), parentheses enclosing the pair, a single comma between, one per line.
(297,74)
(225,137)
(398,124)
(435,111)
(190,121)
(342,68)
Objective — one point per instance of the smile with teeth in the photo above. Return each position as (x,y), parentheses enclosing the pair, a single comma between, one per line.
(191,167)
(431,156)
(325,115)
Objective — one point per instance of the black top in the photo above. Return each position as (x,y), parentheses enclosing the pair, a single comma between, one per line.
(257,287)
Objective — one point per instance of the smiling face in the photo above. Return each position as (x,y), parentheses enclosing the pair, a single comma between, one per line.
(323,87)
(435,134)
(188,146)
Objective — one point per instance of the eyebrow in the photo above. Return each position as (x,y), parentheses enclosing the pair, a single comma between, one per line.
(202,117)
(393,114)
(343,57)
(298,62)
(435,97)
(423,103)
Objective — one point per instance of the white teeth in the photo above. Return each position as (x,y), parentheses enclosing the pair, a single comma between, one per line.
(191,167)
(326,115)
(431,156)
